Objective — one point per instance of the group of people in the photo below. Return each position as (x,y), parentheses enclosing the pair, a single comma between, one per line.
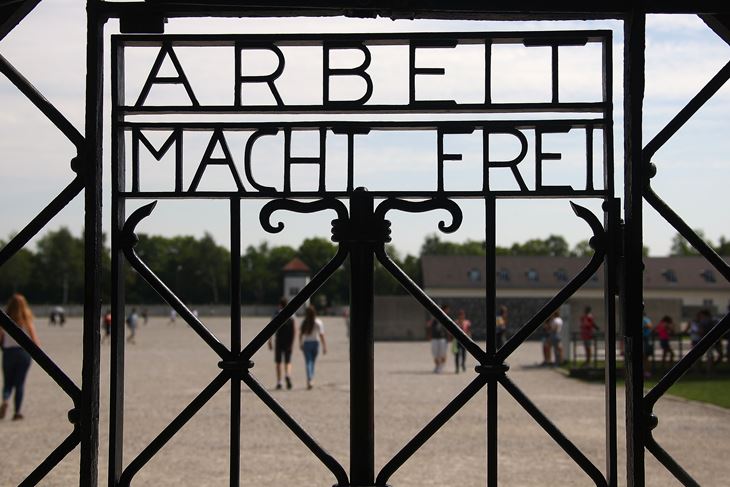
(310,337)
(440,338)
(696,329)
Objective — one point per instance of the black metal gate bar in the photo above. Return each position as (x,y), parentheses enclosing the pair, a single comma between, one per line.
(632,282)
(362,352)
(490,241)
(92,170)
(235,427)
(611,221)
(612,212)
(118,217)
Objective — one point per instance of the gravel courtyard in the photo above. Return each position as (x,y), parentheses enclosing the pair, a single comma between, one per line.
(169,365)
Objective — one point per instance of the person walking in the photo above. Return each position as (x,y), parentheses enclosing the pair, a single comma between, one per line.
(458,348)
(556,326)
(311,333)
(16,361)
(282,346)
(647,328)
(438,336)
(587,329)
(107,324)
(501,330)
(664,333)
(132,322)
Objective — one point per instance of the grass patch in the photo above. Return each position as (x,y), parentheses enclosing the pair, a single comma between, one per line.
(712,390)
(695,385)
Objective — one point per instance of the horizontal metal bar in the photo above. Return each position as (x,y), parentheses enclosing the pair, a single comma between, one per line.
(40,357)
(433,9)
(305,195)
(578,457)
(295,303)
(334,108)
(471,346)
(685,363)
(171,429)
(46,107)
(325,457)
(670,463)
(366,38)
(41,219)
(129,239)
(58,454)
(697,102)
(339,126)
(431,428)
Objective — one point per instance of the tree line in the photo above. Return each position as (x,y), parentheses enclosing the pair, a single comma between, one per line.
(198,269)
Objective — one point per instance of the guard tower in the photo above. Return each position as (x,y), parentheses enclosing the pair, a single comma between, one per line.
(296,276)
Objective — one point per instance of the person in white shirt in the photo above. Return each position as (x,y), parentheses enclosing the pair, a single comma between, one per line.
(311,333)
(556,326)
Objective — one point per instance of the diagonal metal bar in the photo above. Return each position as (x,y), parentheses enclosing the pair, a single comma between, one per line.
(328,460)
(431,428)
(669,462)
(53,459)
(598,243)
(686,362)
(676,221)
(40,357)
(307,291)
(472,347)
(129,240)
(578,457)
(171,429)
(41,219)
(35,97)
(687,112)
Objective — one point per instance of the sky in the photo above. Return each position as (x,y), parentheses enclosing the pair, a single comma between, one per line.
(682,55)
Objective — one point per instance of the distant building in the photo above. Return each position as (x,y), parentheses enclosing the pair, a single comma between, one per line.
(296,276)
(676,286)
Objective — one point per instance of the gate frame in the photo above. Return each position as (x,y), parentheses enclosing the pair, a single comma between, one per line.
(149,16)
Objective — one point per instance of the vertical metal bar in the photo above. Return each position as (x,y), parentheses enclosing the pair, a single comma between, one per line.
(235,339)
(555,73)
(487,73)
(632,297)
(611,217)
(613,226)
(89,407)
(362,353)
(116,366)
(490,281)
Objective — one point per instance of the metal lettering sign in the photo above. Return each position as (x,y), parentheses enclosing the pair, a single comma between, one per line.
(249,90)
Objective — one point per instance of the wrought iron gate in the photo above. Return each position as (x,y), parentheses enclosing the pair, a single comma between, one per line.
(361,229)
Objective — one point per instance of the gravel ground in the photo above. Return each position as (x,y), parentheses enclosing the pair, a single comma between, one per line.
(169,365)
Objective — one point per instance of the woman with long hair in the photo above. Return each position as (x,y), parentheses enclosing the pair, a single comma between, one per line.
(16,361)
(311,333)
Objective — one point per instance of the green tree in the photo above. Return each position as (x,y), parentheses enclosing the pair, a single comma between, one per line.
(58,270)
(554,246)
(680,245)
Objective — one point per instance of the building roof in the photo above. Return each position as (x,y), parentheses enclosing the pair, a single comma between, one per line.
(296,265)
(540,272)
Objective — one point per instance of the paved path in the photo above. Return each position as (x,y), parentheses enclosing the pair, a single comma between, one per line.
(169,365)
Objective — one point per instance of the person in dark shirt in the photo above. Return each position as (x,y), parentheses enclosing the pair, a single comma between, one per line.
(439,337)
(283,344)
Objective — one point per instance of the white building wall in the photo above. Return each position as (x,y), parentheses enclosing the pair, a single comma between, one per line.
(294,284)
